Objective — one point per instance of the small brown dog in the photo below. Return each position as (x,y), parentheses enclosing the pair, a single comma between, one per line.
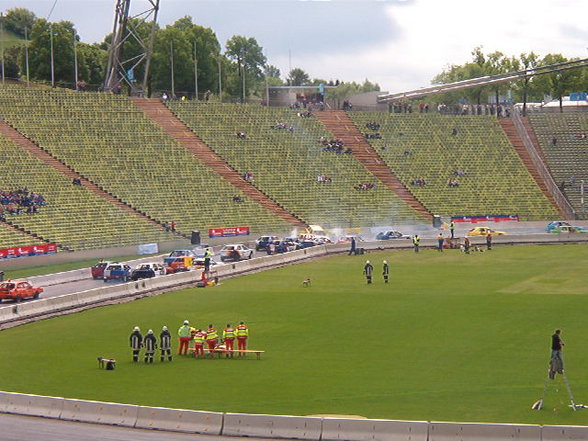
(306,283)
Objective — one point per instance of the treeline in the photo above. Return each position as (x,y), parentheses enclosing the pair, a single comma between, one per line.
(530,89)
(241,72)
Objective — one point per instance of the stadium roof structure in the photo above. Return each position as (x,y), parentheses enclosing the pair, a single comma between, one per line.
(483,81)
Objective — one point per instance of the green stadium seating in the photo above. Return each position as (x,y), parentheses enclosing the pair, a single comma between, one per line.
(286,165)
(108,140)
(10,238)
(567,159)
(74,217)
(423,146)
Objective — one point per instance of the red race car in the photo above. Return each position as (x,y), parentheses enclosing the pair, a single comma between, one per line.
(18,290)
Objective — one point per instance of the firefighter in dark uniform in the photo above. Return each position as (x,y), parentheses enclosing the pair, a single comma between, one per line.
(150,344)
(136,340)
(385,271)
(368,269)
(165,344)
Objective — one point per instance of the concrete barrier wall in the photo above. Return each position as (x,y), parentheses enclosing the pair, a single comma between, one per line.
(272,426)
(35,405)
(99,412)
(337,429)
(564,433)
(440,431)
(179,420)
(277,426)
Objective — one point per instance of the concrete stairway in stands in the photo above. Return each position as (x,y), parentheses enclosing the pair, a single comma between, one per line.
(22,141)
(517,142)
(161,115)
(340,125)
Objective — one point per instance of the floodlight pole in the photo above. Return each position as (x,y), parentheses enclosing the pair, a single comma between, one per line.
(27,56)
(2,46)
(52,58)
(195,73)
(75,60)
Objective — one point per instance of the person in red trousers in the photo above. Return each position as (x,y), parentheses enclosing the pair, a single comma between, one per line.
(242,333)
(211,339)
(229,338)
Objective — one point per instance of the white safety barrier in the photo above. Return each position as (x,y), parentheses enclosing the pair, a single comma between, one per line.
(58,278)
(439,431)
(336,429)
(99,412)
(35,405)
(272,426)
(564,433)
(191,421)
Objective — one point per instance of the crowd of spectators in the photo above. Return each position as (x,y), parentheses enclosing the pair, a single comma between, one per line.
(419,182)
(474,109)
(373,125)
(20,201)
(373,136)
(238,199)
(452,183)
(365,186)
(248,176)
(283,126)
(324,179)
(334,145)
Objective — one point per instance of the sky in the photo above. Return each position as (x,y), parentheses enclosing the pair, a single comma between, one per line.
(399,44)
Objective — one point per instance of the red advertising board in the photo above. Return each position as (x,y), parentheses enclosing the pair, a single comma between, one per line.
(30,250)
(228,232)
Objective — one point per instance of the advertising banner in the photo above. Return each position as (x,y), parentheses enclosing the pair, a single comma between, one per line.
(489,218)
(30,250)
(228,232)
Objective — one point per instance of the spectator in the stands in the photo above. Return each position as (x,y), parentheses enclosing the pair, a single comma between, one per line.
(241,135)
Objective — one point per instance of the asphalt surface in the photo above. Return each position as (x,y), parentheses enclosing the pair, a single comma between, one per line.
(26,428)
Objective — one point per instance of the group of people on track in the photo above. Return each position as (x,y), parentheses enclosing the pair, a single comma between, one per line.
(190,340)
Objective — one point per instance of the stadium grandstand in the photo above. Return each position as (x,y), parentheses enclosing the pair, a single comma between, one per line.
(138,177)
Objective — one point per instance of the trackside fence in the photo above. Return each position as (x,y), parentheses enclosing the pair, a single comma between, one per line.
(276,426)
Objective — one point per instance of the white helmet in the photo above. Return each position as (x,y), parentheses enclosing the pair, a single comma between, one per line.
(164,328)
(186,322)
(367,261)
(150,331)
(136,328)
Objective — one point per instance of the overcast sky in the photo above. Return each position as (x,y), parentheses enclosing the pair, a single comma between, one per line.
(399,44)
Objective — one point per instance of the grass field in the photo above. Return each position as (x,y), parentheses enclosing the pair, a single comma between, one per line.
(452,338)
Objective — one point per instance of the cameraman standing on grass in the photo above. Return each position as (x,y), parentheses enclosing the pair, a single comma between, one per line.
(556,362)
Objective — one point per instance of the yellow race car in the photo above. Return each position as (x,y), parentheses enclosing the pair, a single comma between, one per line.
(483,231)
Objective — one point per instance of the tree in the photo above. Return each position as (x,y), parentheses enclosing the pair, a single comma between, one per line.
(249,58)
(91,63)
(560,83)
(63,52)
(193,47)
(17,20)
(297,77)
(524,86)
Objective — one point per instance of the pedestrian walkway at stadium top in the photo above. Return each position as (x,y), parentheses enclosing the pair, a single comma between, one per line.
(563,139)
(283,152)
(106,139)
(73,216)
(471,152)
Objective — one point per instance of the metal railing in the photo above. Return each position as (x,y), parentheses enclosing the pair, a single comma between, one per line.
(560,199)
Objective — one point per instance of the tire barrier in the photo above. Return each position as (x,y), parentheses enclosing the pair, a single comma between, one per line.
(176,420)
(272,426)
(336,429)
(439,431)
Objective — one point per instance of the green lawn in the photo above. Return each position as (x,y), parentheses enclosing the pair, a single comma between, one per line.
(453,337)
